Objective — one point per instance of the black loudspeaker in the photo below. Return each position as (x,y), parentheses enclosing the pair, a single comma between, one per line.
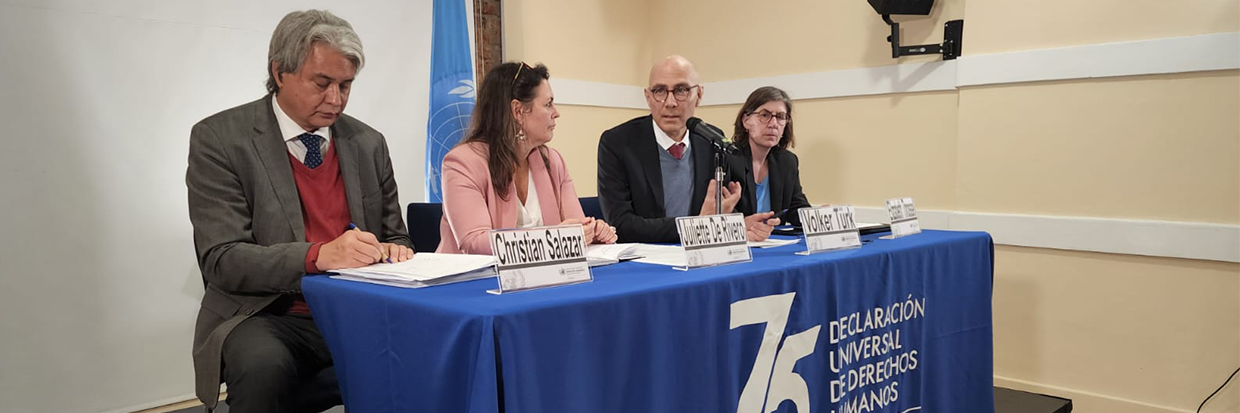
(919,7)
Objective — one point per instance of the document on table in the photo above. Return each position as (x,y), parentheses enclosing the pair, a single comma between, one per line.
(870,225)
(865,228)
(674,255)
(671,255)
(425,269)
(607,254)
(772,242)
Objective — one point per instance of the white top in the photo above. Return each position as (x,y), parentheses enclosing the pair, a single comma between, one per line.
(529,213)
(666,141)
(290,130)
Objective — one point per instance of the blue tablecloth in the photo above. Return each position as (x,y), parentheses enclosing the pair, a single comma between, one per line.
(892,327)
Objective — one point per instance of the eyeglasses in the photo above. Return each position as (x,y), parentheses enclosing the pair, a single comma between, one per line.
(765,117)
(681,93)
(523,66)
(518,75)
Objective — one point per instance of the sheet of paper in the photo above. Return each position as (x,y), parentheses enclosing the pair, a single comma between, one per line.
(426,266)
(485,272)
(401,284)
(607,254)
(772,242)
(864,225)
(613,251)
(670,255)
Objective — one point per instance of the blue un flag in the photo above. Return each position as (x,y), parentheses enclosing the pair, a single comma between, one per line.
(452,89)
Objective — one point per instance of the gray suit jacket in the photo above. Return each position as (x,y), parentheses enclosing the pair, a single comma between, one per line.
(248,225)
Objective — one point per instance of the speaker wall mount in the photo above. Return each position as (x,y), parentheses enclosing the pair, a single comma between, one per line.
(953,31)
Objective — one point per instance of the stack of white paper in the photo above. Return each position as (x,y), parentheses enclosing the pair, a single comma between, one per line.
(671,255)
(867,225)
(424,270)
(607,254)
(772,242)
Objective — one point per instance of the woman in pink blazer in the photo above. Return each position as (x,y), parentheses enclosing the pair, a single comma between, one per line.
(503,175)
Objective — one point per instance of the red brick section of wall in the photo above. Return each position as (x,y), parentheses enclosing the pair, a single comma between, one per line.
(488,32)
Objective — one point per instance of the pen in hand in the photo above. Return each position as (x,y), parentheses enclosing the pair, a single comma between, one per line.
(779,215)
(383,252)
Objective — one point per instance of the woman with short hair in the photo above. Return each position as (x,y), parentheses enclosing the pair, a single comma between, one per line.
(763,134)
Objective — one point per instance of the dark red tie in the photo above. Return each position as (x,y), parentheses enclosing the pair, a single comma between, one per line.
(677,150)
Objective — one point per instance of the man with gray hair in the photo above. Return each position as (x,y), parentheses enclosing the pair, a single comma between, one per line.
(281,187)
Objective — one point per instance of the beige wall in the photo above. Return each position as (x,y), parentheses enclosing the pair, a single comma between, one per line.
(576,136)
(1006,25)
(600,41)
(1116,333)
(615,41)
(1160,331)
(732,39)
(1151,147)
(846,145)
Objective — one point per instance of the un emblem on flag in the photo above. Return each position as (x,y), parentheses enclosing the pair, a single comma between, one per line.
(448,123)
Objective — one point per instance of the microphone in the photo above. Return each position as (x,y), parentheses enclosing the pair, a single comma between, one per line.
(712,134)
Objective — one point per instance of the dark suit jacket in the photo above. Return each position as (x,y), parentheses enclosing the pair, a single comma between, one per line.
(784,174)
(248,227)
(630,181)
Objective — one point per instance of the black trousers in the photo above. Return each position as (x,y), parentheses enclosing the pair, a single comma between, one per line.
(278,363)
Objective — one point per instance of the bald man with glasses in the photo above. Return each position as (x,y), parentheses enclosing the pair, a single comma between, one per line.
(653,169)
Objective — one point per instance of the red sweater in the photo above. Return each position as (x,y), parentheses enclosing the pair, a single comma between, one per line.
(324,210)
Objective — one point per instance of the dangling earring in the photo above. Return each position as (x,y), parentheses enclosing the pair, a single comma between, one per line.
(520,135)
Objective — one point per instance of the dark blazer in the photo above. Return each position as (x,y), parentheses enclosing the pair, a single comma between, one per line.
(248,227)
(630,181)
(784,174)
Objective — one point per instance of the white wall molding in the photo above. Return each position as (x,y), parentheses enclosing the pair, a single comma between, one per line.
(1144,57)
(1192,240)
(903,78)
(1207,52)
(1208,241)
(608,95)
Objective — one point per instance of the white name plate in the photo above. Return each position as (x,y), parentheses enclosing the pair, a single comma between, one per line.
(539,257)
(713,240)
(903,217)
(829,228)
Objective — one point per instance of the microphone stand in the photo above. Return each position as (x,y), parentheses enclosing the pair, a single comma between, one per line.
(721,150)
(719,159)
(721,170)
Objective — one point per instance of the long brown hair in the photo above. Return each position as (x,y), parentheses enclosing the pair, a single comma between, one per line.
(492,122)
(759,97)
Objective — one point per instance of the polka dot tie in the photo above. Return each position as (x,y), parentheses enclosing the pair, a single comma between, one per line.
(314,156)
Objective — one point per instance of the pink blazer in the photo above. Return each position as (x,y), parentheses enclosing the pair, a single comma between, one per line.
(471,206)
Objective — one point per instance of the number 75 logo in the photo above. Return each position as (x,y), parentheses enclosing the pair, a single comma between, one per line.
(783,383)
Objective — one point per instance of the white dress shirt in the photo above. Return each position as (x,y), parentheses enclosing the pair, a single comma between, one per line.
(666,141)
(290,131)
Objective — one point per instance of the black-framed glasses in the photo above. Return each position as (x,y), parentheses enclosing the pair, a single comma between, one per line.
(765,117)
(681,92)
